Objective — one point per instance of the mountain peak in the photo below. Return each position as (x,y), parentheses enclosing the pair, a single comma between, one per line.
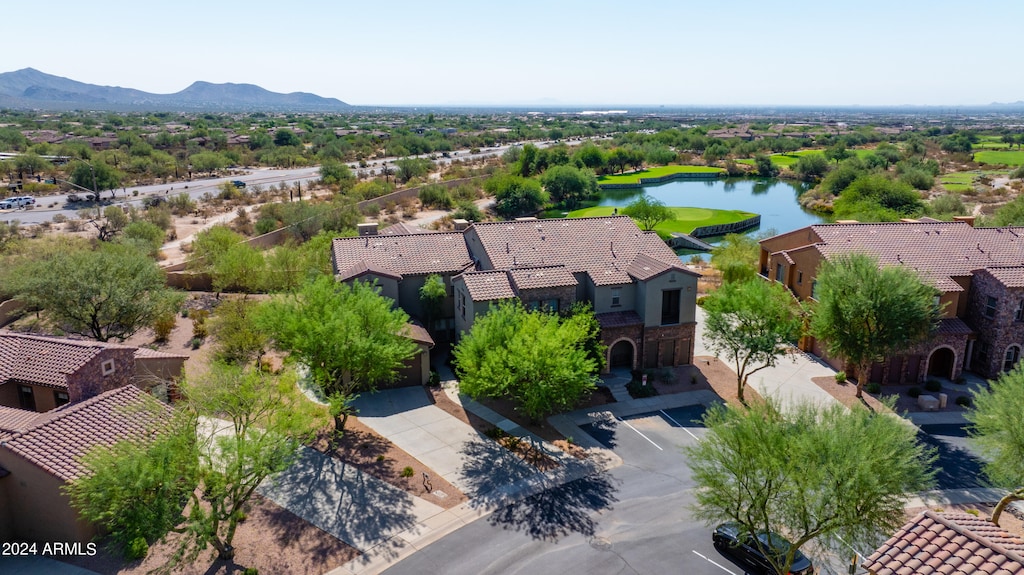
(29,87)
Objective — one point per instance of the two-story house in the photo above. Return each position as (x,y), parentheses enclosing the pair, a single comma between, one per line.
(979,273)
(642,295)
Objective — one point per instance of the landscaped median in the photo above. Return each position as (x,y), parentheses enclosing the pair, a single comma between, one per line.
(658,175)
(685,219)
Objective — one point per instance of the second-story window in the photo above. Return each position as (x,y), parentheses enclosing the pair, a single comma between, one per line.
(778,272)
(799,277)
(616,297)
(670,307)
(990,307)
(1018,314)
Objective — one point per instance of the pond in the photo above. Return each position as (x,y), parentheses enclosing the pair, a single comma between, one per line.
(775,200)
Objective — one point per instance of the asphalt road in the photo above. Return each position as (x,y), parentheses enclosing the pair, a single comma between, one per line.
(958,465)
(633,519)
(48,206)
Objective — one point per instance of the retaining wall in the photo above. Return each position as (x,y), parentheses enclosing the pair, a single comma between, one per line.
(677,176)
(722,229)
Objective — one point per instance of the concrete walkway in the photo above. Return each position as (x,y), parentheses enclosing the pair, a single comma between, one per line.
(789,381)
(39,565)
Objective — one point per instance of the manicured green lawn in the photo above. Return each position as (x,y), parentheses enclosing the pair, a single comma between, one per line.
(787,160)
(1015,158)
(657,172)
(686,218)
(958,181)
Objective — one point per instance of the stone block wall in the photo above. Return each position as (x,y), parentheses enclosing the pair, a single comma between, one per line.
(997,333)
(89,381)
(566,296)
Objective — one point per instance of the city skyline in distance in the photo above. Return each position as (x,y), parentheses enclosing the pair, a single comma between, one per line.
(457,53)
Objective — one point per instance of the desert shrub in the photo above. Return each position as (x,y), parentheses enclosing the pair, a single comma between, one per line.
(638,390)
(963,401)
(59,218)
(199,329)
(136,549)
(436,196)
(914,392)
(163,326)
(467,210)
(408,472)
(840,377)
(933,385)
(874,387)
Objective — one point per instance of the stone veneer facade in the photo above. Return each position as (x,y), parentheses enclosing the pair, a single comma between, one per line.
(998,333)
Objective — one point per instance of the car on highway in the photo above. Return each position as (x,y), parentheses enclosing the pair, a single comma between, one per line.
(730,538)
(72,198)
(238,183)
(17,202)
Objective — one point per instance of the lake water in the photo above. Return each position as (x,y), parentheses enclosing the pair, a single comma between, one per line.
(774,200)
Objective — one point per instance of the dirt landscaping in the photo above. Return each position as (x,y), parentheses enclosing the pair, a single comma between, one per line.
(271,539)
(846,393)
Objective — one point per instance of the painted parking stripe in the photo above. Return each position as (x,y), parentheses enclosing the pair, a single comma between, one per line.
(640,433)
(713,563)
(672,419)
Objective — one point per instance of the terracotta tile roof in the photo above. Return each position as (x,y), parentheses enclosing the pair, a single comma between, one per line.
(412,254)
(487,286)
(363,267)
(954,326)
(146,353)
(13,420)
(948,544)
(56,444)
(542,277)
(602,247)
(1011,277)
(618,319)
(418,333)
(45,361)
(643,267)
(938,251)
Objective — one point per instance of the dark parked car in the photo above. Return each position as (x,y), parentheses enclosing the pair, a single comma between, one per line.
(238,183)
(729,538)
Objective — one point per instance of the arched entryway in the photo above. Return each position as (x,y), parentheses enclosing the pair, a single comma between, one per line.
(621,354)
(1011,357)
(940,363)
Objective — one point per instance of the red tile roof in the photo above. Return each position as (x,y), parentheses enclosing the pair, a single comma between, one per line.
(402,228)
(618,319)
(56,444)
(487,286)
(541,277)
(146,353)
(948,544)
(45,361)
(601,247)
(938,251)
(412,254)
(954,326)
(644,267)
(1011,277)
(13,420)
(363,267)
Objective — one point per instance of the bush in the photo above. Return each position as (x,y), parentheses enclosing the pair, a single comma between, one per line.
(874,387)
(136,549)
(436,196)
(914,392)
(59,218)
(840,377)
(963,401)
(163,326)
(251,571)
(637,389)
(407,472)
(196,342)
(199,330)
(435,379)
(933,385)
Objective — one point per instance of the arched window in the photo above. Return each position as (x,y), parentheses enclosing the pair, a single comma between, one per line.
(1011,358)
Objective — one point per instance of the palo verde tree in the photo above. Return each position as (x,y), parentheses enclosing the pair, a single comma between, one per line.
(232,429)
(108,293)
(751,323)
(542,362)
(866,312)
(996,426)
(347,334)
(828,474)
(648,212)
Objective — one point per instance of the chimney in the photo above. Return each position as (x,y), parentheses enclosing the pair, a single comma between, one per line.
(369,229)
(460,224)
(969,220)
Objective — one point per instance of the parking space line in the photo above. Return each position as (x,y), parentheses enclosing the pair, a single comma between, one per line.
(672,419)
(641,434)
(712,562)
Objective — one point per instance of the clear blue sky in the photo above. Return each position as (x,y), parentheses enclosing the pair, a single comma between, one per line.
(396,52)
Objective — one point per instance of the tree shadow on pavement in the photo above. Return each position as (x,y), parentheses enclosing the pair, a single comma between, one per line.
(557,512)
(356,508)
(488,469)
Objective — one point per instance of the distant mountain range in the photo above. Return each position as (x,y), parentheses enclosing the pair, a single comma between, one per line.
(30,88)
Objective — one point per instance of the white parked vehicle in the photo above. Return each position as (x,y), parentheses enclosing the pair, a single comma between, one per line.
(17,202)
